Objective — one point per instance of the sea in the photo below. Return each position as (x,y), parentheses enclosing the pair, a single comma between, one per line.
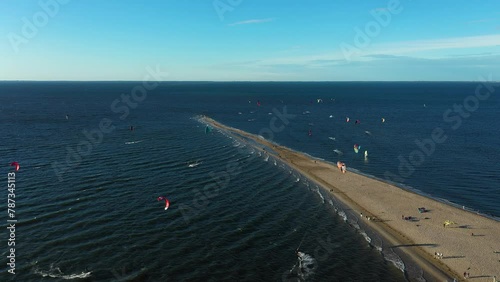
(95,156)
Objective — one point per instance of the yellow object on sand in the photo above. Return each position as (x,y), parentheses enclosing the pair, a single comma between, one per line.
(448,222)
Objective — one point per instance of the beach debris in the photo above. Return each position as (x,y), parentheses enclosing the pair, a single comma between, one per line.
(383,119)
(331,116)
(15,165)
(167,202)
(368,133)
(347,119)
(319,100)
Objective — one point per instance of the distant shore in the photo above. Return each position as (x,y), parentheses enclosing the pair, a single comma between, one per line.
(470,243)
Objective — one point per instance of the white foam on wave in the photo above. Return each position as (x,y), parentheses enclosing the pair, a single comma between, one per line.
(194,164)
(320,195)
(338,152)
(304,267)
(133,142)
(55,272)
(395,260)
(367,238)
(342,214)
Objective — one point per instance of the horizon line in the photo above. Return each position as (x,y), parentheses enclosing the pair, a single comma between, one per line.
(256,81)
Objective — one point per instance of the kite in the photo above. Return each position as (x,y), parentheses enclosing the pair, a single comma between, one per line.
(16,165)
(356,148)
(167,202)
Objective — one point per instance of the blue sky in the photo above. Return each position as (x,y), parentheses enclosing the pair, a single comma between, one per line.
(250,40)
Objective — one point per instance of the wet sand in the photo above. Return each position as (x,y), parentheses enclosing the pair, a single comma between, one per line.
(470,245)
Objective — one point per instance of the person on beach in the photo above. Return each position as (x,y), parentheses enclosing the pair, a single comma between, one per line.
(339,165)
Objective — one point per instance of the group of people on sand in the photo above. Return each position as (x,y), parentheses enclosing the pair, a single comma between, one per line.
(341,166)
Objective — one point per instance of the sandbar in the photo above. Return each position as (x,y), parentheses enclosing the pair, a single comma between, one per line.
(471,244)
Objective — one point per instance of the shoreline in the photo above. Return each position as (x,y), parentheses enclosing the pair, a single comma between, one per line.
(415,240)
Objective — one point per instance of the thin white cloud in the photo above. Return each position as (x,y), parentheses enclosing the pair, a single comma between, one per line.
(254,21)
(415,48)
(436,51)
(481,21)
(492,40)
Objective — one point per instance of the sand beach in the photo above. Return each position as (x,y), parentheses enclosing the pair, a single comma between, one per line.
(470,243)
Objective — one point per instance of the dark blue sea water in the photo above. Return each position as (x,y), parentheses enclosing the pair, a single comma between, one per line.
(86,193)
